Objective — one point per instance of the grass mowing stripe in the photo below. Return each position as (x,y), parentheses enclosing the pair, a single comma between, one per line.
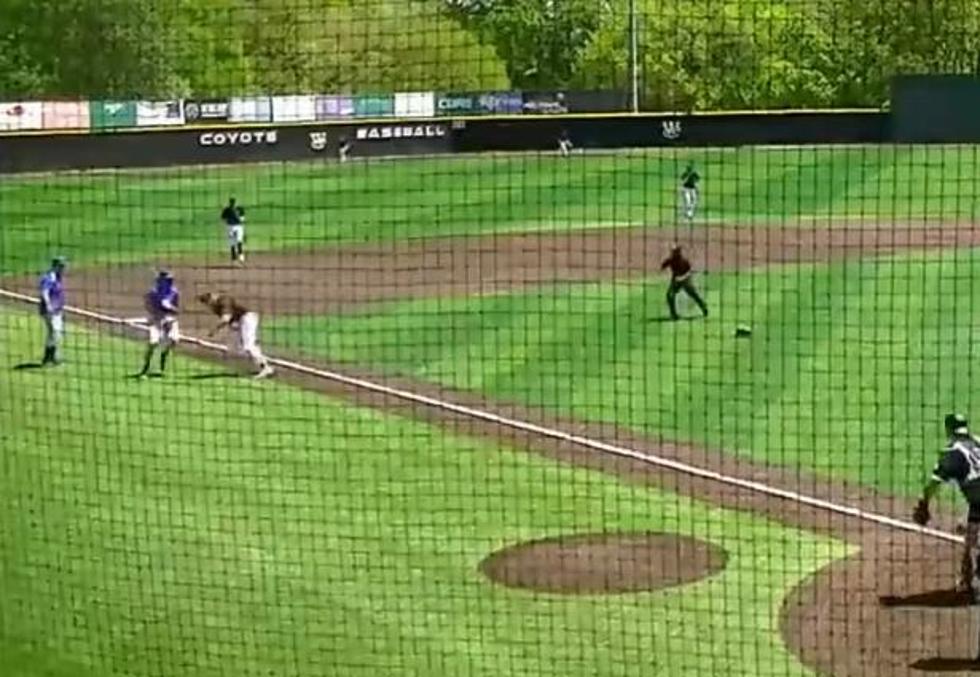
(841,354)
(292,536)
(105,219)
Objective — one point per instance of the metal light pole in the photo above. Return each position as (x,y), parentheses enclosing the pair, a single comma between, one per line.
(634,57)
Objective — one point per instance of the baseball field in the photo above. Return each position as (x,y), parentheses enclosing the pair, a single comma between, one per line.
(564,483)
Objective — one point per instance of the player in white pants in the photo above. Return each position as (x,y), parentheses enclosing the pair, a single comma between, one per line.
(51,306)
(244,323)
(689,192)
(565,144)
(163,307)
(234,218)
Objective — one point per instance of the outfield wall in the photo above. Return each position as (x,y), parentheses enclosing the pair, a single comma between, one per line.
(279,143)
(936,108)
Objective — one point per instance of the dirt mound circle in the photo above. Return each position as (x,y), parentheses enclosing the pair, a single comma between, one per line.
(604,563)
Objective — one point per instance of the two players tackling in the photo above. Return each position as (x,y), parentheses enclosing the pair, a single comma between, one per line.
(244,324)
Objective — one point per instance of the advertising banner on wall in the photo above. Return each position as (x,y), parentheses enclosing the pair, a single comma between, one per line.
(65,115)
(545,103)
(159,113)
(293,108)
(374,106)
(488,103)
(457,103)
(112,114)
(250,109)
(415,104)
(21,115)
(205,111)
(329,107)
(501,103)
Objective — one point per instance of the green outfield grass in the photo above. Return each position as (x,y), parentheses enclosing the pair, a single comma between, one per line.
(213,526)
(849,371)
(106,218)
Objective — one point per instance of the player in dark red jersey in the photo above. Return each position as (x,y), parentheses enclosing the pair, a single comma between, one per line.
(680,280)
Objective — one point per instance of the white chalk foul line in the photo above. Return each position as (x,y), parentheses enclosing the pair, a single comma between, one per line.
(551,433)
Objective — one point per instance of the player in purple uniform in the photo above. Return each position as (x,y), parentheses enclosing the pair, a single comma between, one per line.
(51,306)
(163,306)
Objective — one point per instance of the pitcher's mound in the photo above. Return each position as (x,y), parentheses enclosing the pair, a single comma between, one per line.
(604,563)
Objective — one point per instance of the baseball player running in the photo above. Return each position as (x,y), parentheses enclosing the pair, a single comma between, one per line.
(163,306)
(245,325)
(51,307)
(234,218)
(959,464)
(565,143)
(343,149)
(689,191)
(680,280)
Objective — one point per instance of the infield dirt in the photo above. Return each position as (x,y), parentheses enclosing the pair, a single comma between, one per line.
(885,611)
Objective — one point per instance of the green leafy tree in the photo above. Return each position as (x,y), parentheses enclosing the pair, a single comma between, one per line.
(870,42)
(327,46)
(541,41)
(137,49)
(206,44)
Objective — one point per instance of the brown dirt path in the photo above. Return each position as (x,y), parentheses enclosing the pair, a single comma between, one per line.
(836,622)
(598,564)
(348,278)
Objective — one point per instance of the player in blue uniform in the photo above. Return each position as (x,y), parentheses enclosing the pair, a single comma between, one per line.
(163,305)
(51,307)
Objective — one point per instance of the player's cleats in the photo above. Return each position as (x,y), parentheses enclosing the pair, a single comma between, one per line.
(265,372)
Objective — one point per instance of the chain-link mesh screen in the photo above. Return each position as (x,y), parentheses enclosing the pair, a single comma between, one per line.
(545,338)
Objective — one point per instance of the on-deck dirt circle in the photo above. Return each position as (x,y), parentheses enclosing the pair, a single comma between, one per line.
(613,563)
(835,621)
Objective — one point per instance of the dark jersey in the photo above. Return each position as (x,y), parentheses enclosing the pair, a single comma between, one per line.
(679,266)
(960,463)
(690,179)
(228,309)
(232,215)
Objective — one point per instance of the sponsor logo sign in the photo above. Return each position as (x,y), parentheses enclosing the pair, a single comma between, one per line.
(262,137)
(671,129)
(545,103)
(21,115)
(318,141)
(159,113)
(195,111)
(391,132)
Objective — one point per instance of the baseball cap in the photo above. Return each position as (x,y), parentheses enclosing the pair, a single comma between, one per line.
(956,424)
